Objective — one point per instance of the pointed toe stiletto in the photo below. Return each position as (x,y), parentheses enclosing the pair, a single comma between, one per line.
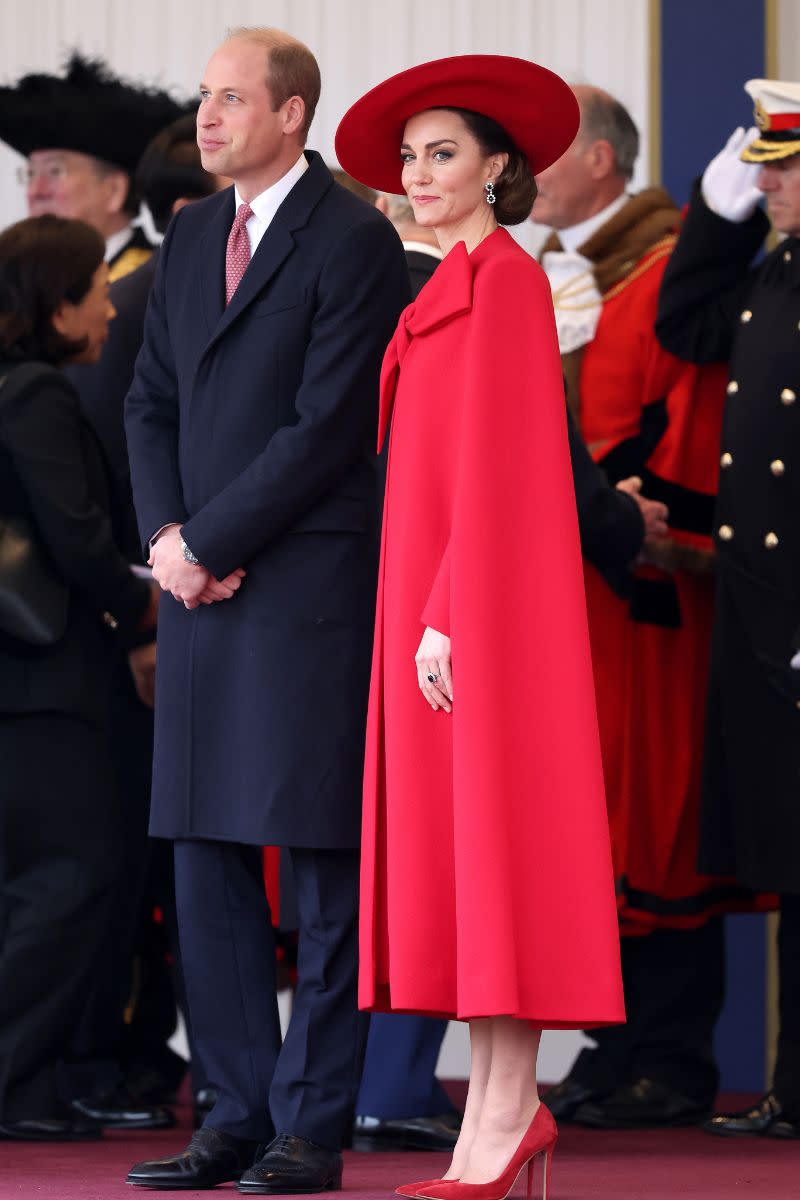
(539,1138)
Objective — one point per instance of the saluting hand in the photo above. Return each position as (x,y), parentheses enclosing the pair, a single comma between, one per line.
(434,673)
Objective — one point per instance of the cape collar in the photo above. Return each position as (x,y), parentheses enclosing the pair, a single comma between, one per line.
(445,296)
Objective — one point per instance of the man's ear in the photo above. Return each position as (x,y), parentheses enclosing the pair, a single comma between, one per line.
(382,204)
(602,159)
(116,185)
(294,113)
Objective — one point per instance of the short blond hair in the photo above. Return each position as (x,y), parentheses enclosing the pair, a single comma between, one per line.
(292,70)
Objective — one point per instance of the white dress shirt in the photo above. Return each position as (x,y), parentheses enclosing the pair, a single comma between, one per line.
(118,241)
(267,203)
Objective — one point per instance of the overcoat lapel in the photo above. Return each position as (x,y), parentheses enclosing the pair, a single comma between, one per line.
(274,248)
(213,245)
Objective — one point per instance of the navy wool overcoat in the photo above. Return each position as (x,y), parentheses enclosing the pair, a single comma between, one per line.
(255,426)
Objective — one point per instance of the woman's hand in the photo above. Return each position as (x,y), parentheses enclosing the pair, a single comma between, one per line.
(434,673)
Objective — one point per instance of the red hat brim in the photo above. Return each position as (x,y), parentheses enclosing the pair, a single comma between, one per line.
(535,107)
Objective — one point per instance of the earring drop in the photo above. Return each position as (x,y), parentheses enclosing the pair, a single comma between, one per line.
(488,187)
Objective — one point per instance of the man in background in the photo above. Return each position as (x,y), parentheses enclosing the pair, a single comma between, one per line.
(82,135)
(716,305)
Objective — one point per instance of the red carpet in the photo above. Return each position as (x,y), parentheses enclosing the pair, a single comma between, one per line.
(587,1166)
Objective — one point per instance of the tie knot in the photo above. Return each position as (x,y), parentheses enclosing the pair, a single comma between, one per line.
(243,214)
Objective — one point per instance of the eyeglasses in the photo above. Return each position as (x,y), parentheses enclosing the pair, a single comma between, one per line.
(52,171)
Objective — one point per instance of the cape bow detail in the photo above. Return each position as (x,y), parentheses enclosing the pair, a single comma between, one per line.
(446,295)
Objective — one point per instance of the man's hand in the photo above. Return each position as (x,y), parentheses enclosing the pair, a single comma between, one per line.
(729,185)
(223,589)
(142,662)
(434,674)
(654,513)
(188,582)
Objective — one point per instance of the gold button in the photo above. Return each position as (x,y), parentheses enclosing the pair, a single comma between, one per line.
(788,396)
(725,532)
(732,388)
(746,316)
(726,460)
(777,466)
(110,620)
(787,256)
(771,541)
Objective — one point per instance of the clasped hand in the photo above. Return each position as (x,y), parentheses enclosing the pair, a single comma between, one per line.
(188,582)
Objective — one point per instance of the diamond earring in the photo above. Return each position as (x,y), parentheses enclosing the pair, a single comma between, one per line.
(488,187)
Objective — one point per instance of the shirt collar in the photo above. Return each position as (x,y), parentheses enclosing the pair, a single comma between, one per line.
(267,203)
(423,248)
(118,241)
(576,235)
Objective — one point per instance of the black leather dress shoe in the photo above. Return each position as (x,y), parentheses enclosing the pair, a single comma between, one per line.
(291,1165)
(204,1101)
(119,1110)
(50,1129)
(209,1159)
(766,1118)
(644,1104)
(411,1133)
(565,1098)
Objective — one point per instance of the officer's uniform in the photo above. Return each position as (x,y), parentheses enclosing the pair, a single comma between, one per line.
(715,305)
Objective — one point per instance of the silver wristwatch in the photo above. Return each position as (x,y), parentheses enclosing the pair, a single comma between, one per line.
(188,555)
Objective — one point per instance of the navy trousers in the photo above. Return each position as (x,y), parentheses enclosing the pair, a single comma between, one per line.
(306,1086)
(399,1077)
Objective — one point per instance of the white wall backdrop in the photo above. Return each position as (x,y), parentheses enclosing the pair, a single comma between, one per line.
(358,43)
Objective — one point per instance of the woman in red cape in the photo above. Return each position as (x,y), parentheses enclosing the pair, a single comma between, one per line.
(487,889)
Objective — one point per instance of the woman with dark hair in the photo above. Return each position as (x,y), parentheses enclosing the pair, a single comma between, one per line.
(57,849)
(487,890)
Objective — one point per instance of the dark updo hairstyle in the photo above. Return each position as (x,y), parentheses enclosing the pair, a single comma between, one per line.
(515,188)
(44,261)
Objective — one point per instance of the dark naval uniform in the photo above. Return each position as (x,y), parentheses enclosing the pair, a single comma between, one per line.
(715,305)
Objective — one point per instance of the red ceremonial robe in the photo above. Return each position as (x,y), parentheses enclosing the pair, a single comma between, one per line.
(486,871)
(651,669)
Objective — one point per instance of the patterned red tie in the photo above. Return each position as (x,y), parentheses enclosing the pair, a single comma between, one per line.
(237,256)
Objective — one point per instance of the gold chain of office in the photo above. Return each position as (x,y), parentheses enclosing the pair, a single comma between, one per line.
(659,250)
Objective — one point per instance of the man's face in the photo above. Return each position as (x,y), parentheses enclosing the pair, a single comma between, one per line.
(566,189)
(68,184)
(238,133)
(780,183)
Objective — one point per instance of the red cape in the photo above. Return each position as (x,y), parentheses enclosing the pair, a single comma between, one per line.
(486,871)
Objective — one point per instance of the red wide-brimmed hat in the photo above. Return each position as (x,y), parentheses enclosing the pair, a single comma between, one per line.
(535,107)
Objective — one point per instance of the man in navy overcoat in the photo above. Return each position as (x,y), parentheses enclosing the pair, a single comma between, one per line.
(251,428)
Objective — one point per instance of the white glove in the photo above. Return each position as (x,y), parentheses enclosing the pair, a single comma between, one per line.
(728,185)
(795,662)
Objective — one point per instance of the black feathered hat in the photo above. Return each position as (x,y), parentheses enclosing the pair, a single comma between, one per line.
(88,109)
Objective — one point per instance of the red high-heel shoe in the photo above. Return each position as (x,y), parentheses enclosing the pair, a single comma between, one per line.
(539,1138)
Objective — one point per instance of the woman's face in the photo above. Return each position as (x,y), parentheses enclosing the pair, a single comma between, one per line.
(87,319)
(444,168)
